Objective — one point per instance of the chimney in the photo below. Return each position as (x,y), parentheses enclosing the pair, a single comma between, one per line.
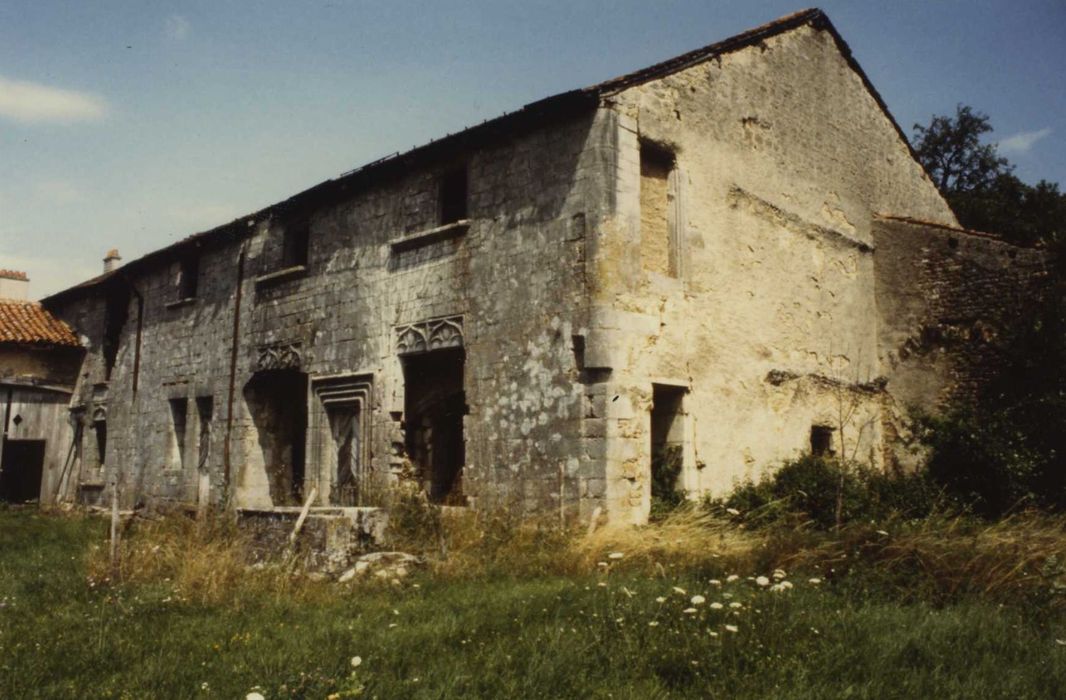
(14,285)
(111,260)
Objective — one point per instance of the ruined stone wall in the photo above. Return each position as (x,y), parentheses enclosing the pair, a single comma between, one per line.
(512,280)
(782,158)
(946,302)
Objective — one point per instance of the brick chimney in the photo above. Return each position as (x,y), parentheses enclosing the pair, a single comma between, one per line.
(14,285)
(111,260)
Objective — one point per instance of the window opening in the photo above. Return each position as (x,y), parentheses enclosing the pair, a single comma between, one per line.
(822,441)
(189,277)
(179,410)
(453,196)
(667,444)
(434,406)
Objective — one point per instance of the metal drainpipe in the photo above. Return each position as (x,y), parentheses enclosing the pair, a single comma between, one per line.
(234,352)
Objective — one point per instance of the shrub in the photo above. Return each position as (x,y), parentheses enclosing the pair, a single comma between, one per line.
(812,488)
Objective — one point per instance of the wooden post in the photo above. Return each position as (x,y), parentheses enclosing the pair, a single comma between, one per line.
(114,531)
(303,516)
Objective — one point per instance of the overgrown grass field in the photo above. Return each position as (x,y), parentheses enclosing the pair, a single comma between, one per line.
(694,611)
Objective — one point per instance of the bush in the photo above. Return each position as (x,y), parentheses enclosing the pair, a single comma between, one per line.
(986,462)
(809,489)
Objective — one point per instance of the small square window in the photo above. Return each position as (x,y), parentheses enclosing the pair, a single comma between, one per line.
(452,196)
(822,441)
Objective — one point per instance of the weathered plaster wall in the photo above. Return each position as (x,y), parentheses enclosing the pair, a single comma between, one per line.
(782,159)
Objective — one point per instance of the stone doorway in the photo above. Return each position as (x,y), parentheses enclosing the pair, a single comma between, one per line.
(277,404)
(434,406)
(667,442)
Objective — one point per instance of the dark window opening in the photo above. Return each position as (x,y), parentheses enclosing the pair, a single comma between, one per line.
(100,431)
(277,402)
(453,196)
(205,409)
(295,245)
(434,406)
(667,443)
(116,311)
(21,471)
(189,277)
(179,414)
(822,441)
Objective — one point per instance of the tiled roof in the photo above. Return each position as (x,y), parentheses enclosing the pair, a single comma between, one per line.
(13,275)
(28,323)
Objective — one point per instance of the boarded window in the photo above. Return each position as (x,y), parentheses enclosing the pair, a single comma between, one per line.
(658,247)
(453,196)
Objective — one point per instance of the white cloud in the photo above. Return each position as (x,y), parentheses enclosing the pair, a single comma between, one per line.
(32,103)
(177,27)
(1022,142)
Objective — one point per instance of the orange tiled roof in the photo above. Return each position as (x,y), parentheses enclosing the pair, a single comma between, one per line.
(28,323)
(14,275)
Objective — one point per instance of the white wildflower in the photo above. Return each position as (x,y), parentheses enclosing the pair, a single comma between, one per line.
(715,582)
(762,581)
(882,532)
(689,611)
(735,605)
(712,633)
(698,600)
(716,606)
(779,574)
(653,623)
(357,661)
(615,555)
(679,591)
(254,696)
(814,581)
(732,628)
(731,578)
(660,599)
(601,584)
(732,511)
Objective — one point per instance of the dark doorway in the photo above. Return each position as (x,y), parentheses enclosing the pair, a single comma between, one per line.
(667,442)
(277,402)
(434,406)
(21,471)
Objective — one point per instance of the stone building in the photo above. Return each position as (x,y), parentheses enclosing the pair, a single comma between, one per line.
(39,360)
(690,272)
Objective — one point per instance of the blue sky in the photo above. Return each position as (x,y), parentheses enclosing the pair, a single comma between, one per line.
(133,124)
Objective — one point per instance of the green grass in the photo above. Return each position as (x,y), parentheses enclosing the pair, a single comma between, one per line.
(495,637)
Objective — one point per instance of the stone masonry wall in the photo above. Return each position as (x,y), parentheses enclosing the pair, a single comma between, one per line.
(514,282)
(946,301)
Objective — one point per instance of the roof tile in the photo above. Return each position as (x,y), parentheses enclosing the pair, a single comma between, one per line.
(28,323)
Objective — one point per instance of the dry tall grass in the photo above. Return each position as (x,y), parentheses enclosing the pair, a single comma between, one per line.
(941,558)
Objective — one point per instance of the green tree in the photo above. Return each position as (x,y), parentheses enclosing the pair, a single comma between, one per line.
(980,185)
(1010,447)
